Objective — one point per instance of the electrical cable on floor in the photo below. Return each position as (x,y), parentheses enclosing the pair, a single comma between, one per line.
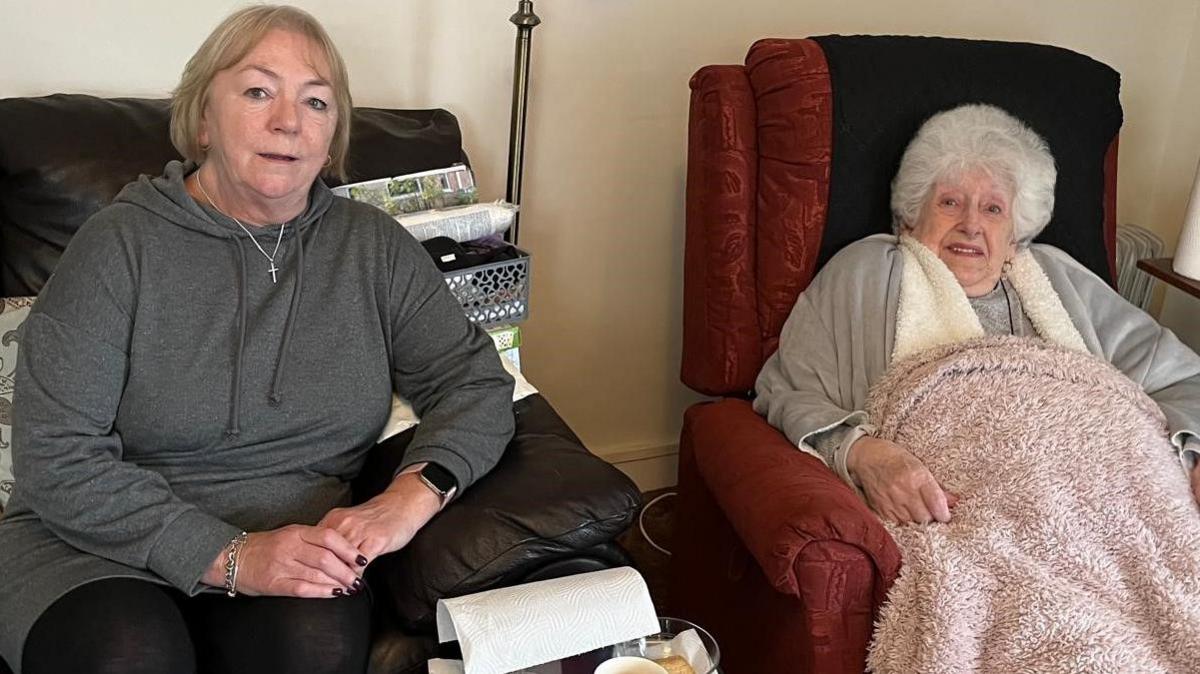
(642,525)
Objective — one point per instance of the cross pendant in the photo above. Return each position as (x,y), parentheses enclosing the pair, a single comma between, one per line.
(272,271)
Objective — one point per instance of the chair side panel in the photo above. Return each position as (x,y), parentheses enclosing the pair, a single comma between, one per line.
(794,98)
(721,347)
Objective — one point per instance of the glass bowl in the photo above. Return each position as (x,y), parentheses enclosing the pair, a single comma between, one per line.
(658,646)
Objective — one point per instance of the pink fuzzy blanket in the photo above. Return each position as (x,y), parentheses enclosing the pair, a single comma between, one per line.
(1075,546)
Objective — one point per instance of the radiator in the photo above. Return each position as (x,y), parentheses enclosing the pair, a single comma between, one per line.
(1133,244)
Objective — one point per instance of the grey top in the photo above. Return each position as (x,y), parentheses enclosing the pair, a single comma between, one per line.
(169,394)
(1000,312)
(838,341)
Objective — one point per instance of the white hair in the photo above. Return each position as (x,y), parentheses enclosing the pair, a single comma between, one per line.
(978,137)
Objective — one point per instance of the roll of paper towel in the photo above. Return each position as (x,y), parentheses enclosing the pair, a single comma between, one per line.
(512,628)
(1187,253)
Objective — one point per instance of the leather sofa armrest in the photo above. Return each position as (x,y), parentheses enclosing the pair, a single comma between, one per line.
(548,499)
(779,499)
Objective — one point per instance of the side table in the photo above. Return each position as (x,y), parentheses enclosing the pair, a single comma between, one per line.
(1160,268)
(657,646)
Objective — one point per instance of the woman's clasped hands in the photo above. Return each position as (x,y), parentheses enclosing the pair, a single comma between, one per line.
(329,558)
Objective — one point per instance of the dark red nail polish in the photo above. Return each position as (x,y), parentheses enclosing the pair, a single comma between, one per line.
(358,583)
(337,592)
(362,561)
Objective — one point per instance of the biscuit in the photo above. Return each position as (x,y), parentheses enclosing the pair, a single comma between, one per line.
(676,664)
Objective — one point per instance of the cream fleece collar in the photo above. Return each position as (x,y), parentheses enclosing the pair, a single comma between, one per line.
(934,310)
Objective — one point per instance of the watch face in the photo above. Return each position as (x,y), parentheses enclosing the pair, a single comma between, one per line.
(439,477)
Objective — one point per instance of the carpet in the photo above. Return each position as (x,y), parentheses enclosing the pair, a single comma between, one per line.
(651,563)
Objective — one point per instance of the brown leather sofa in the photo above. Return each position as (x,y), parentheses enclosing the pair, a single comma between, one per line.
(790,158)
(550,508)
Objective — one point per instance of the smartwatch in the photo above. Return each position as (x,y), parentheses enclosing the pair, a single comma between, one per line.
(440,480)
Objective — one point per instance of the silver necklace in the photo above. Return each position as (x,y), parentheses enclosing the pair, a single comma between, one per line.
(271,257)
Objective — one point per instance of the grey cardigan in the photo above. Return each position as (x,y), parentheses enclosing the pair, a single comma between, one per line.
(838,341)
(169,394)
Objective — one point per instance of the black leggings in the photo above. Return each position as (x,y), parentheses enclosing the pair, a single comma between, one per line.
(133,626)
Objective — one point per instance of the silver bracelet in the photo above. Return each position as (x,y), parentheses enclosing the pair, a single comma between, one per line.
(231,563)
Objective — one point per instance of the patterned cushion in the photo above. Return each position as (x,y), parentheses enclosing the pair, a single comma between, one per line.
(13,311)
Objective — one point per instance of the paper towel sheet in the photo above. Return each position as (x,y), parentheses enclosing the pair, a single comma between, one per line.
(513,628)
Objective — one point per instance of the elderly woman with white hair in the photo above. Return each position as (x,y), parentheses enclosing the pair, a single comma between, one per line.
(974,188)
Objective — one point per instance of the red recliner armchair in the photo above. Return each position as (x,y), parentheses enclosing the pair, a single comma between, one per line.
(790,158)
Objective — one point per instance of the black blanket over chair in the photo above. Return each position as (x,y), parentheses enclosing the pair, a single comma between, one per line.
(886,87)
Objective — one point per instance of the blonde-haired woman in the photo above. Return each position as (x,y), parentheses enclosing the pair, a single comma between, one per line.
(204,375)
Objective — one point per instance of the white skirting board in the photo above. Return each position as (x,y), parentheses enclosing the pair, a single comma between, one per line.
(650,468)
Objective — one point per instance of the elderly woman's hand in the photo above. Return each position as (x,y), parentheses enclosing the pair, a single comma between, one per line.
(387,522)
(897,485)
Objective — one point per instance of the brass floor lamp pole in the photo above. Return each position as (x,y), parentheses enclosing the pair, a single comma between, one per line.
(525,21)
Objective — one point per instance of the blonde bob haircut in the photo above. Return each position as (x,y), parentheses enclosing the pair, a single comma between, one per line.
(229,43)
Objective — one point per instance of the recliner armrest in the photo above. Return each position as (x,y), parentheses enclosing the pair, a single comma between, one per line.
(779,499)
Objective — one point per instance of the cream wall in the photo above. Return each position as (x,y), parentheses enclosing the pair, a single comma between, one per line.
(608,119)
(1180,311)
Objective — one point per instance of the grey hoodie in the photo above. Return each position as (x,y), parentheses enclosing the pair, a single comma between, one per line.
(169,394)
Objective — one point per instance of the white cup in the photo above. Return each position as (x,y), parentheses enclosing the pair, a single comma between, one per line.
(629,665)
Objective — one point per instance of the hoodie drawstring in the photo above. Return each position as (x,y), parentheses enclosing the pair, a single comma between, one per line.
(235,400)
(281,360)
